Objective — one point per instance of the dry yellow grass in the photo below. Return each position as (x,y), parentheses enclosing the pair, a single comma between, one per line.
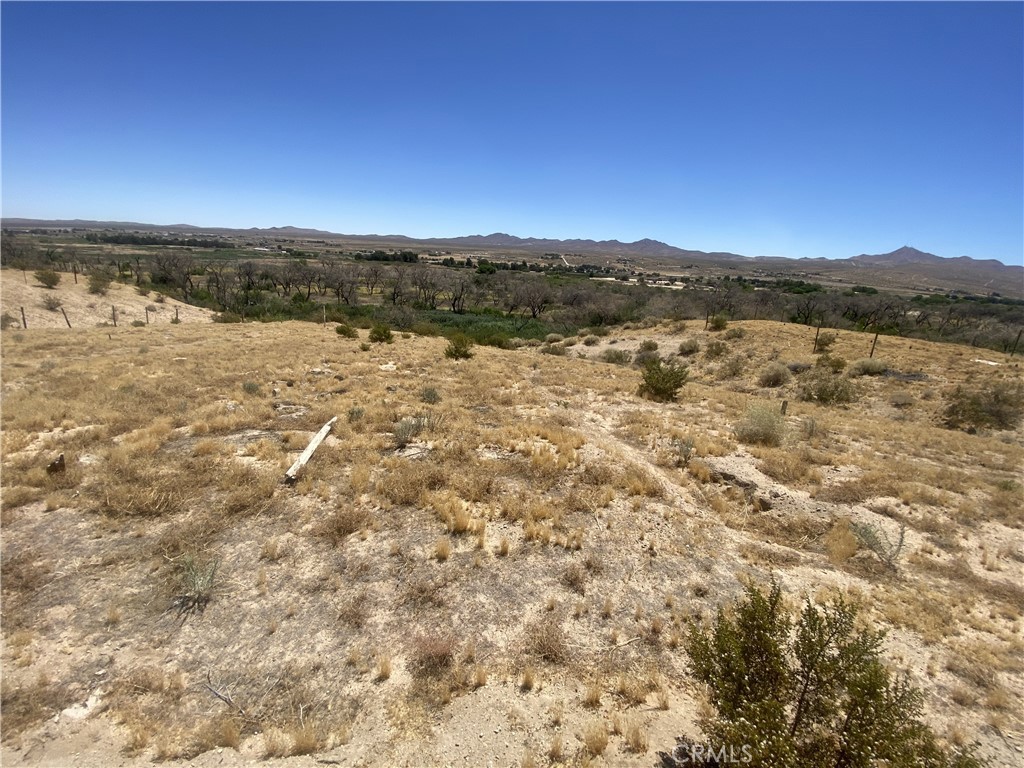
(545,477)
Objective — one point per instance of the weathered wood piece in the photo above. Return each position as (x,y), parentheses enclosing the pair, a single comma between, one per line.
(292,474)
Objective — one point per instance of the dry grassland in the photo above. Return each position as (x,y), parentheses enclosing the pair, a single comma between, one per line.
(501,570)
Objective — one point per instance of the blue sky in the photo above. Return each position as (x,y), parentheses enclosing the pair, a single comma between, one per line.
(791,129)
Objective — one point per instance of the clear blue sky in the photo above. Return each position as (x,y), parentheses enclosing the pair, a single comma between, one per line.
(794,129)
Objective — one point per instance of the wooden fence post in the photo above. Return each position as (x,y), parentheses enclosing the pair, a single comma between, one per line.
(292,474)
(24,322)
(113,314)
(873,342)
(65,317)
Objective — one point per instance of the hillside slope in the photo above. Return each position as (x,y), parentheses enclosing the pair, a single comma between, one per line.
(489,560)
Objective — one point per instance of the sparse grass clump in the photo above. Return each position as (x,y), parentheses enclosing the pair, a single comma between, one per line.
(715,349)
(824,342)
(430,396)
(408,429)
(432,654)
(773,375)
(868,366)
(997,405)
(546,640)
(662,381)
(762,425)
(616,356)
(688,347)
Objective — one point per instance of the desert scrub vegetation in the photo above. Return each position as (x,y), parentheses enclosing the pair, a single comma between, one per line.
(819,385)
(814,691)
(662,381)
(762,425)
(996,405)
(381,334)
(615,356)
(868,366)
(688,347)
(459,347)
(347,331)
(773,375)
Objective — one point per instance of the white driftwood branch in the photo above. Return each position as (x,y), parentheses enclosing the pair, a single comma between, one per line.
(291,475)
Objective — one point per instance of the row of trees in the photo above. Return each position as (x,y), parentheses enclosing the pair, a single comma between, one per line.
(284,287)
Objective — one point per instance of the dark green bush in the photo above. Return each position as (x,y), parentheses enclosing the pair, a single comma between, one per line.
(459,347)
(47,278)
(648,345)
(99,282)
(816,692)
(347,331)
(381,334)
(662,381)
(718,323)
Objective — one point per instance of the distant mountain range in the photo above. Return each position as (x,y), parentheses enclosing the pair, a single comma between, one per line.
(909,263)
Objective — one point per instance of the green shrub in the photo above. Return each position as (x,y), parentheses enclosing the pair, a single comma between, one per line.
(732,367)
(648,345)
(381,334)
(718,323)
(762,425)
(998,404)
(430,395)
(822,386)
(250,388)
(459,347)
(825,341)
(734,333)
(347,331)
(597,330)
(553,338)
(645,357)
(715,349)
(99,282)
(47,278)
(591,340)
(227,317)
(365,346)
(662,381)
(554,349)
(868,366)
(773,375)
(138,323)
(816,691)
(407,429)
(832,363)
(617,356)
(356,413)
(52,303)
